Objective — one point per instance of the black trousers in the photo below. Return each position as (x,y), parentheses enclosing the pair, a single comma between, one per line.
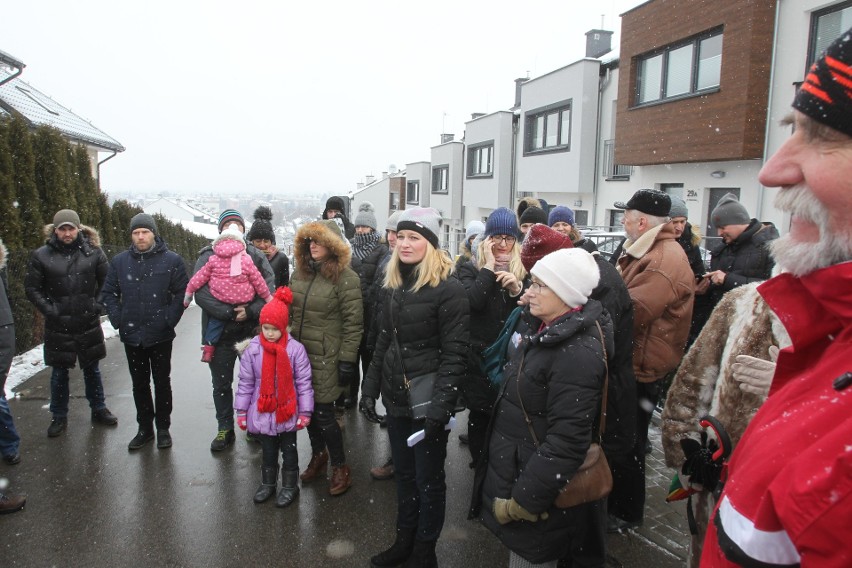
(325,432)
(146,363)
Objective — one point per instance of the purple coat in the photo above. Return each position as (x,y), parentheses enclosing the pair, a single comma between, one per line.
(248,390)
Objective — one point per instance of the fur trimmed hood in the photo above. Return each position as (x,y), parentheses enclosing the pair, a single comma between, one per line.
(89,232)
(326,233)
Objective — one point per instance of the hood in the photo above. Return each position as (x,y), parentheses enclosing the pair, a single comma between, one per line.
(327,234)
(89,233)
(229,247)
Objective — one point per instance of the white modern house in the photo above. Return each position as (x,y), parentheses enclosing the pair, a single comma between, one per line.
(447,187)
(489,164)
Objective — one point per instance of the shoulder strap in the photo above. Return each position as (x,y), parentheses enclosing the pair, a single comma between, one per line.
(395,340)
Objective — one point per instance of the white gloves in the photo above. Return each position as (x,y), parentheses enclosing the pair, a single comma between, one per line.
(755,375)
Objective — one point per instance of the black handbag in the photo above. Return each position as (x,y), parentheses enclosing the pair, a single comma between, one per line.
(419,388)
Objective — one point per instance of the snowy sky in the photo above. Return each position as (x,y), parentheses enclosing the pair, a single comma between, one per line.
(264,96)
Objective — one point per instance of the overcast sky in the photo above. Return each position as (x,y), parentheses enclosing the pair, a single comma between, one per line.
(262,96)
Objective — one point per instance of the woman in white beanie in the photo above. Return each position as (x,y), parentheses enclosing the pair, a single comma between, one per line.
(545,418)
(424,330)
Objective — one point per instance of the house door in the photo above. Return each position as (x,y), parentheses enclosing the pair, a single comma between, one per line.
(716,193)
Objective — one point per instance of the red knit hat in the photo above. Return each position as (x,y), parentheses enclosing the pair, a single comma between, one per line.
(540,241)
(277,312)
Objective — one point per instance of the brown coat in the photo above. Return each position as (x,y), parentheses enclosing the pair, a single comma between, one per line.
(660,283)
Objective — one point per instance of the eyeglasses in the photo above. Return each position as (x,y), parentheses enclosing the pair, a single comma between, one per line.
(537,287)
(509,240)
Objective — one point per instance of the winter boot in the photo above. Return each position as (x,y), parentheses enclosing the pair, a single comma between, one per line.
(318,466)
(289,488)
(341,480)
(268,485)
(423,555)
(399,551)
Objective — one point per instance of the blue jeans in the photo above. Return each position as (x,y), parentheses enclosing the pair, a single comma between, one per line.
(214,330)
(421,488)
(59,392)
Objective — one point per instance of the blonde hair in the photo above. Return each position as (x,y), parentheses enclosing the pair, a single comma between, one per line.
(435,267)
(516,267)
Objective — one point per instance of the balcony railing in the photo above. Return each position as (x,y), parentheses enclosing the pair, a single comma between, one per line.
(611,170)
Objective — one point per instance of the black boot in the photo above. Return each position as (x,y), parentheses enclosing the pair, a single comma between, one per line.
(423,555)
(399,551)
(269,482)
(289,488)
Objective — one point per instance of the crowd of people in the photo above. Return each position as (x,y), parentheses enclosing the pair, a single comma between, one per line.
(554,351)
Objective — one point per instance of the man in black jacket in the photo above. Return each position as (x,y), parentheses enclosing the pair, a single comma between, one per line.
(64,279)
(143,295)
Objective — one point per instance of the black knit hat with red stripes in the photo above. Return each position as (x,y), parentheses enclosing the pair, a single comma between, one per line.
(826,94)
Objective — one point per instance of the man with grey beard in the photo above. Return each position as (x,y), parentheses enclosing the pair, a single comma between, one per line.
(787,498)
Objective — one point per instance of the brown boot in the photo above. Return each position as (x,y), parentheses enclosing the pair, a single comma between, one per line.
(318,466)
(340,480)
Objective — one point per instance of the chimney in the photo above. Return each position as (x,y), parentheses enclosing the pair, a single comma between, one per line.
(475,115)
(369,179)
(518,83)
(447,138)
(598,43)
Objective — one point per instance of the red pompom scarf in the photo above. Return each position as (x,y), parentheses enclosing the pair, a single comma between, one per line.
(276,364)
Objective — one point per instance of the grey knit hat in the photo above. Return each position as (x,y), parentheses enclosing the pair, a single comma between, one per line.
(143,221)
(366,216)
(678,207)
(423,220)
(66,217)
(393,220)
(729,211)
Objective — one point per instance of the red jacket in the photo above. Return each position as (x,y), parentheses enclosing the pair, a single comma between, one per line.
(788,496)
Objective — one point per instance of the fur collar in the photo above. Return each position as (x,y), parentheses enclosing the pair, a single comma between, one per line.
(89,233)
(641,246)
(322,233)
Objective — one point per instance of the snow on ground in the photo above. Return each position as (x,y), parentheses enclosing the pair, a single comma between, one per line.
(28,364)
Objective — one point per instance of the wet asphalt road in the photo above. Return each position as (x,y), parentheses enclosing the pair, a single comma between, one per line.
(93,503)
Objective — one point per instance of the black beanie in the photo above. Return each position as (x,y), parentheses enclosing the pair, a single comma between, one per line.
(262,226)
(143,221)
(826,94)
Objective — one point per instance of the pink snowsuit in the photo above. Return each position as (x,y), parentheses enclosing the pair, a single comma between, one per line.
(231,273)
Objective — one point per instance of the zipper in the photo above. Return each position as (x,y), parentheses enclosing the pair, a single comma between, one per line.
(304,304)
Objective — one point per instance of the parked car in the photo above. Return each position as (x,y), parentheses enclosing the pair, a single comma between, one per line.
(606,241)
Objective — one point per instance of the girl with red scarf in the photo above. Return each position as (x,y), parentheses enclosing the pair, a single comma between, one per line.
(275,397)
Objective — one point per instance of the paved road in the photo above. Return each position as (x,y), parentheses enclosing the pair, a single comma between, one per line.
(92,503)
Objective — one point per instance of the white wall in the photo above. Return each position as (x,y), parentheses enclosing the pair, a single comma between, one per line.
(376,193)
(495,191)
(420,172)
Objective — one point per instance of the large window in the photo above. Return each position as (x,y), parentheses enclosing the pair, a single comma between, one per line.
(480,159)
(548,128)
(441,179)
(827,25)
(412,192)
(680,70)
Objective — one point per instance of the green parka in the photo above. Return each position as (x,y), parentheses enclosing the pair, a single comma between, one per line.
(327,315)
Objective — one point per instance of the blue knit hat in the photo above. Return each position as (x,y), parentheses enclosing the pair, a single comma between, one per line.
(502,221)
(560,213)
(229,216)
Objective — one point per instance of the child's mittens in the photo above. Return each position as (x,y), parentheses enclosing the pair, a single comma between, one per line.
(186,300)
(241,420)
(302,422)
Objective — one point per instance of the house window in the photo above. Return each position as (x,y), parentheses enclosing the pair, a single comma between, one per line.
(480,159)
(441,179)
(680,70)
(412,192)
(548,128)
(394,201)
(826,26)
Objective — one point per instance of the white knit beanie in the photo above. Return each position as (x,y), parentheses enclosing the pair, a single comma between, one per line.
(572,274)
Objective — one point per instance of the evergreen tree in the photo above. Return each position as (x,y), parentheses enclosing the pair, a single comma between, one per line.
(106,227)
(23,160)
(122,213)
(87,190)
(52,171)
(10,229)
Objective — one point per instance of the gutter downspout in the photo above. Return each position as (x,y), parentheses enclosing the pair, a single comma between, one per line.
(603,82)
(114,153)
(513,190)
(761,191)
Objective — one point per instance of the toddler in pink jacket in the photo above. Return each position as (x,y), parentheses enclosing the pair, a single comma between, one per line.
(233,279)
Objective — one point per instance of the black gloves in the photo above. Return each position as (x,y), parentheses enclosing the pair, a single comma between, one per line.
(347,373)
(367,406)
(433,428)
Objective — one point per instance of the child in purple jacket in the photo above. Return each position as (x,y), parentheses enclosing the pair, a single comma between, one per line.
(275,398)
(233,279)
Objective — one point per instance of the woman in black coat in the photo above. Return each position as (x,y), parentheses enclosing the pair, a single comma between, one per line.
(553,386)
(424,329)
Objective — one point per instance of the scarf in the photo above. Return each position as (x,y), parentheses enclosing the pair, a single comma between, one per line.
(276,364)
(363,245)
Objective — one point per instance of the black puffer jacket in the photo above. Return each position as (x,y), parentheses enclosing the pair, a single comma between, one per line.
(561,384)
(744,260)
(433,333)
(612,293)
(367,273)
(490,306)
(280,265)
(689,242)
(376,298)
(143,294)
(64,282)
